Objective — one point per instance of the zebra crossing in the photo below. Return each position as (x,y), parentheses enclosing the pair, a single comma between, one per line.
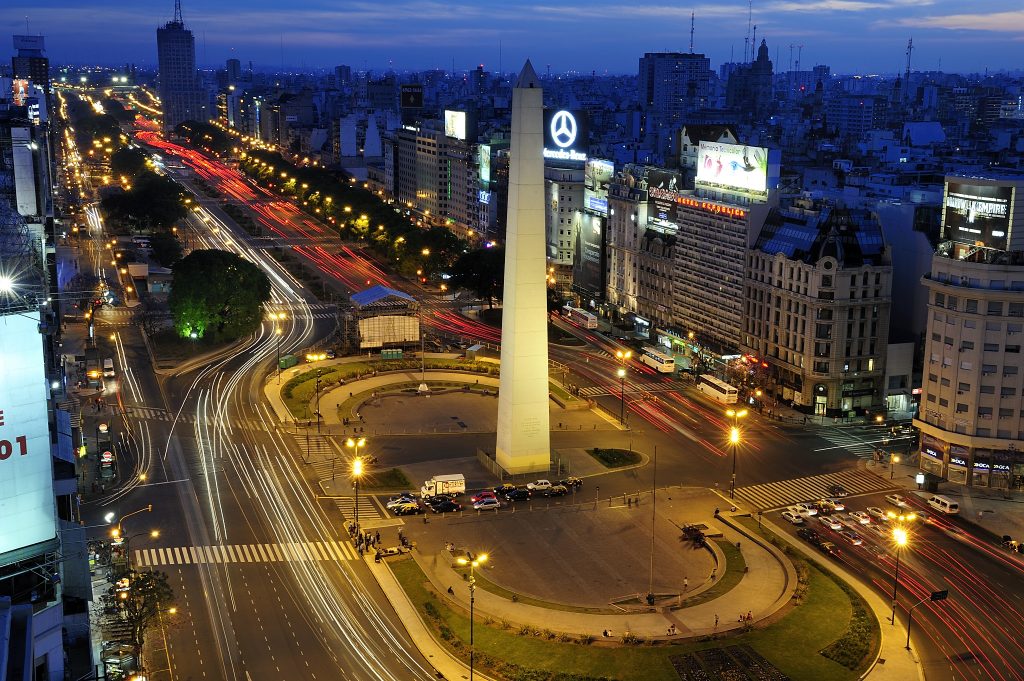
(782,493)
(290,552)
(369,511)
(156,414)
(857,441)
(598,390)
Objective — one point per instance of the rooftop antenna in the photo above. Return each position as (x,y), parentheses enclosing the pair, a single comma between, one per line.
(177,12)
(499,58)
(906,74)
(750,19)
(753,43)
(692,15)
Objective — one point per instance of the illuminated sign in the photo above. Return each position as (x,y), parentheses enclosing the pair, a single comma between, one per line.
(588,261)
(26,476)
(455,124)
(412,96)
(19,91)
(977,214)
(484,196)
(957,461)
(733,166)
(935,454)
(484,151)
(597,176)
(711,207)
(565,136)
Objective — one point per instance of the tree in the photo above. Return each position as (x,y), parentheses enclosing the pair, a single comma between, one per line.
(218,293)
(165,248)
(154,202)
(128,162)
(138,602)
(481,271)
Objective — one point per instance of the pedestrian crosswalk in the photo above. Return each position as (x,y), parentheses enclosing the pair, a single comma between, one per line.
(156,414)
(785,492)
(598,390)
(857,441)
(290,552)
(369,509)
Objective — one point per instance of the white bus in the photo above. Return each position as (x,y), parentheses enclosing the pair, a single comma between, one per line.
(718,389)
(662,361)
(581,317)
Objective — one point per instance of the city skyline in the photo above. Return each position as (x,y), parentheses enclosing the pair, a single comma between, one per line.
(851,36)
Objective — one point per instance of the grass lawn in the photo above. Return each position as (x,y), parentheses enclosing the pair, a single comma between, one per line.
(558,392)
(389,478)
(483,583)
(791,644)
(615,458)
(170,348)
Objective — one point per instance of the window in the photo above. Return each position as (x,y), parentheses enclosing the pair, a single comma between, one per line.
(1009,371)
(993,326)
(966,345)
(995,308)
(1013,348)
(821,367)
(1005,413)
(985,412)
(963,387)
(943,402)
(823,331)
(961,408)
(988,389)
(932,378)
(826,280)
(991,347)
(1015,309)
(940,300)
(951,303)
(945,382)
(1007,391)
(972,305)
(970,324)
(988,369)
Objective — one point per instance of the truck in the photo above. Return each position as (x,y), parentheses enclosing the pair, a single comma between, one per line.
(287,361)
(443,484)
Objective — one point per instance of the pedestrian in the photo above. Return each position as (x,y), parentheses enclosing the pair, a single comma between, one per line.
(451,591)
(749,616)
(376,538)
(686,583)
(716,620)
(713,571)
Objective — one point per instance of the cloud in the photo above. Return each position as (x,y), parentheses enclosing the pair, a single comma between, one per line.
(998,22)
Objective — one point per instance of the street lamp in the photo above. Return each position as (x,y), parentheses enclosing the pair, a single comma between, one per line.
(622,395)
(473,564)
(357,468)
(899,536)
(734,440)
(893,460)
(276,317)
(318,400)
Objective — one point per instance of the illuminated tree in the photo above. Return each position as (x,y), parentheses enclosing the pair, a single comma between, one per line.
(217,293)
(138,600)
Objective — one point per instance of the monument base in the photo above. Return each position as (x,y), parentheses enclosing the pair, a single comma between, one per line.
(524,463)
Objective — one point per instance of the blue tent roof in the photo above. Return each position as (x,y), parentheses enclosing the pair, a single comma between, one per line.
(377,293)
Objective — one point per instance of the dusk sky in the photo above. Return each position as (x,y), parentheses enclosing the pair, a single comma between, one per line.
(852,36)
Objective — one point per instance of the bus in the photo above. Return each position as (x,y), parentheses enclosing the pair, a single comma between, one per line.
(662,361)
(581,317)
(718,389)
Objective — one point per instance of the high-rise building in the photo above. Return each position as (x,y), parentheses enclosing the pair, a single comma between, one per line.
(180,95)
(30,62)
(343,75)
(749,88)
(673,84)
(234,69)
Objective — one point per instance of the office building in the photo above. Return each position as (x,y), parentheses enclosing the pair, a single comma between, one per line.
(972,405)
(30,62)
(749,87)
(816,308)
(181,98)
(234,71)
(673,84)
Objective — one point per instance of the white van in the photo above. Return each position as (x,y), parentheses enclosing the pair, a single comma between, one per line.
(108,368)
(944,504)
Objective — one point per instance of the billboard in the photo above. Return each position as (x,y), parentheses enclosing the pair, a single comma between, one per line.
(597,175)
(733,166)
(484,151)
(588,260)
(566,136)
(412,96)
(455,124)
(977,214)
(26,476)
(20,91)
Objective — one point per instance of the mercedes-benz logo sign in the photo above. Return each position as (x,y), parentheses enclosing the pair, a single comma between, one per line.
(563,129)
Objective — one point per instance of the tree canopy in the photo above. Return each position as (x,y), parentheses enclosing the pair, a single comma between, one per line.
(138,605)
(481,271)
(217,293)
(128,162)
(165,248)
(153,202)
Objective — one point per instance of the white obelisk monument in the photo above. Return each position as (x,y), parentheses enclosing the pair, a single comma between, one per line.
(524,437)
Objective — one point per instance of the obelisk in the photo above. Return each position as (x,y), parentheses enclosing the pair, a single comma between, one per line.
(524,438)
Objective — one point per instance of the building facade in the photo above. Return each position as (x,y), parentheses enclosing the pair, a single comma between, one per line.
(180,95)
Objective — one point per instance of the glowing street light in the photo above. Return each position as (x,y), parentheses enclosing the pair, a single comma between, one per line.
(473,564)
(357,468)
(899,537)
(734,440)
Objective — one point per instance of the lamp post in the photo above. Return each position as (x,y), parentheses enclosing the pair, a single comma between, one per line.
(893,460)
(318,400)
(933,596)
(734,440)
(473,564)
(357,468)
(276,317)
(622,395)
(899,536)
(118,531)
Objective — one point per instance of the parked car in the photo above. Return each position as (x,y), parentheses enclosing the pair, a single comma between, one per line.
(793,518)
(480,496)
(407,508)
(486,503)
(399,499)
(558,490)
(837,491)
(851,536)
(439,499)
(878,514)
(446,507)
(518,494)
(861,517)
(897,500)
(502,490)
(572,482)
(539,486)
(830,522)
(810,535)
(904,430)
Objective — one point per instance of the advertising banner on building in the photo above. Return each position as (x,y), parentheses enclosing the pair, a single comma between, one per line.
(412,96)
(597,175)
(484,151)
(588,260)
(566,137)
(977,214)
(26,476)
(455,124)
(733,166)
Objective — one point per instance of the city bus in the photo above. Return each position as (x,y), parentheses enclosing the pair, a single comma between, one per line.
(662,361)
(718,389)
(581,317)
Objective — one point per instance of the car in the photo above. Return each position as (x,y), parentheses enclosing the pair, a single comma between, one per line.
(837,491)
(797,510)
(861,517)
(486,503)
(793,518)
(810,535)
(808,509)
(446,507)
(837,503)
(897,500)
(877,514)
(502,490)
(330,354)
(829,548)
(904,430)
(518,494)
(572,482)
(825,507)
(830,522)
(558,490)
(539,486)
(399,499)
(480,496)
(851,536)
(407,508)
(439,499)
